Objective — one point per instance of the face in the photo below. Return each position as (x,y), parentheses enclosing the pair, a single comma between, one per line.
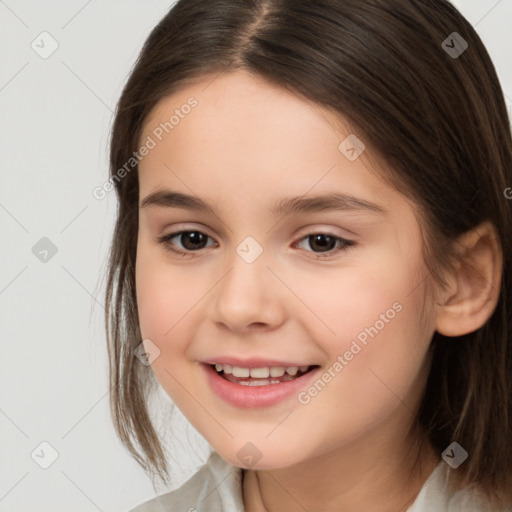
(334,285)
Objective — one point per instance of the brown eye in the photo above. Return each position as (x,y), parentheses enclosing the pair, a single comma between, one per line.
(185,241)
(193,240)
(321,242)
(324,244)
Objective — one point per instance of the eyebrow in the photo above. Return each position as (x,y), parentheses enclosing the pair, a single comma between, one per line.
(312,204)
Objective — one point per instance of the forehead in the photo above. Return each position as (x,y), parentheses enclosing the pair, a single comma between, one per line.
(240,107)
(248,137)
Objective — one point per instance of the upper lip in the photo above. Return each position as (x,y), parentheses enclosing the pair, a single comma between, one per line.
(255,362)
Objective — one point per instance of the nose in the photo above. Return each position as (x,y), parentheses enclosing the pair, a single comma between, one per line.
(248,297)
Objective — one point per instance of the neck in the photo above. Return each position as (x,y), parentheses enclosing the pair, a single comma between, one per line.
(360,477)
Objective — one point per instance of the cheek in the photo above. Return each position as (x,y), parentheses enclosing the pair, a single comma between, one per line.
(375,361)
(368,319)
(377,290)
(164,294)
(380,374)
(165,300)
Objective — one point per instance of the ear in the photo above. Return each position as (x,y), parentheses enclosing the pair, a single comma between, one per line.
(474,285)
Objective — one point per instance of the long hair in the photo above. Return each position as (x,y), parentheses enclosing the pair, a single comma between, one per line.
(431,107)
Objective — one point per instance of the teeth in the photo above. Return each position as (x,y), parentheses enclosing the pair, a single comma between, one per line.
(260,373)
(265,382)
(240,372)
(277,371)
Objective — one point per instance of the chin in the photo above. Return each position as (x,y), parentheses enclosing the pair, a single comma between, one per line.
(249,456)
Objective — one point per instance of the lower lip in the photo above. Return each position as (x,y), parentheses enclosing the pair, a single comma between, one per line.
(255,396)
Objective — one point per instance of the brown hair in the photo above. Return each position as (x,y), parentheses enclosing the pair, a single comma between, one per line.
(439,122)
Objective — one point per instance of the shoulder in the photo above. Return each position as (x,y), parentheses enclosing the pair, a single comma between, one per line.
(215,487)
(438,495)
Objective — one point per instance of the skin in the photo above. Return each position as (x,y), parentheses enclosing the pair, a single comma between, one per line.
(247,145)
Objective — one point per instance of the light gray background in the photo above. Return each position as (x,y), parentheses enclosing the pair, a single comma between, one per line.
(55,118)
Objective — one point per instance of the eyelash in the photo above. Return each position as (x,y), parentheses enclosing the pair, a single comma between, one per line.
(345,244)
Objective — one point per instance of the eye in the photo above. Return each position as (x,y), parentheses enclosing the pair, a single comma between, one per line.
(190,241)
(325,244)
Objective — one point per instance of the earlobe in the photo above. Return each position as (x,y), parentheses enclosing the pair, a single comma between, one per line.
(474,285)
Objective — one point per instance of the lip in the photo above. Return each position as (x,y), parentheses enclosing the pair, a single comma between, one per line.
(253,363)
(252,397)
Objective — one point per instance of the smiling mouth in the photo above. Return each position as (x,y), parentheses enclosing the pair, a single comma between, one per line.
(261,376)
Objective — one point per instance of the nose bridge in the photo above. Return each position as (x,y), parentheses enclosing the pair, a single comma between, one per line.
(246,280)
(247,294)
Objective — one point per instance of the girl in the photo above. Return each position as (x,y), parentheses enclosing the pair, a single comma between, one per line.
(312,256)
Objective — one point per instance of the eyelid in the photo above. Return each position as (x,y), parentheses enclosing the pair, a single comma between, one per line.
(181,228)
(326,229)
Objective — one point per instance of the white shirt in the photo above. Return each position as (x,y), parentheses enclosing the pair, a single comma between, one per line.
(217,487)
